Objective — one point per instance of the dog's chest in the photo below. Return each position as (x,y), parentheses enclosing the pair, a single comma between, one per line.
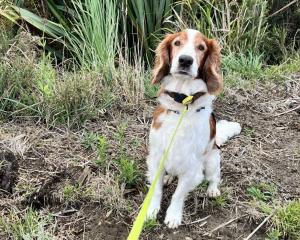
(190,141)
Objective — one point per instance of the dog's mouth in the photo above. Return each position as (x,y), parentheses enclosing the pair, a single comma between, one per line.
(183,72)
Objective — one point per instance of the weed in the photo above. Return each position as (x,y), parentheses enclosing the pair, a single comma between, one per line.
(203,186)
(222,200)
(279,72)
(150,224)
(150,89)
(136,142)
(129,173)
(73,193)
(46,76)
(102,150)
(119,136)
(89,140)
(249,131)
(242,67)
(31,225)
(265,208)
(262,192)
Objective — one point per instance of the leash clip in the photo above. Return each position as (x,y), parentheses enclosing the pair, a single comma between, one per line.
(187,100)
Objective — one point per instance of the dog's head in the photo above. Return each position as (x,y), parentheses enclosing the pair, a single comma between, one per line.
(189,53)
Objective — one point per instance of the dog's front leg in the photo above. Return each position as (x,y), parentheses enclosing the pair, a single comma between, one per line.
(153,164)
(212,172)
(186,183)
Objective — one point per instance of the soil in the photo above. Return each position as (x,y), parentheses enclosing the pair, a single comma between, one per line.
(40,161)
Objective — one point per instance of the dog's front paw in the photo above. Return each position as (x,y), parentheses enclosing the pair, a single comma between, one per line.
(213,191)
(153,209)
(173,218)
(152,213)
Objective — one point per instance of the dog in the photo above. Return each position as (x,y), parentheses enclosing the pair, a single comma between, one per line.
(187,63)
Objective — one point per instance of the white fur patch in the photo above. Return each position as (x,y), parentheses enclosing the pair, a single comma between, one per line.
(191,157)
(226,130)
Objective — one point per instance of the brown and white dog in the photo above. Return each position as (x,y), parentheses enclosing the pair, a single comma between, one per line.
(187,63)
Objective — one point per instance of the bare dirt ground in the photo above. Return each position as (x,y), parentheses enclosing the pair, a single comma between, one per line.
(41,162)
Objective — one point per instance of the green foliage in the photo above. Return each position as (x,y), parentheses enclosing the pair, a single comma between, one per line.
(94,37)
(287,220)
(148,19)
(249,131)
(150,89)
(89,140)
(150,224)
(119,135)
(46,77)
(239,26)
(15,82)
(72,193)
(36,90)
(248,66)
(129,173)
(262,192)
(222,200)
(31,225)
(51,28)
(102,150)
(273,235)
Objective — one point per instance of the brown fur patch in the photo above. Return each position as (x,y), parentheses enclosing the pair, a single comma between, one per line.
(164,54)
(212,125)
(158,111)
(211,69)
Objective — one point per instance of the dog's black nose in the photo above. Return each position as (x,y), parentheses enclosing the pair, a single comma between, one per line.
(185,61)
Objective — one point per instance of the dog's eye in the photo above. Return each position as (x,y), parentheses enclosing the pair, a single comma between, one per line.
(177,43)
(201,47)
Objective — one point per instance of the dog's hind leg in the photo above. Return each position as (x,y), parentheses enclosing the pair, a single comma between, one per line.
(212,172)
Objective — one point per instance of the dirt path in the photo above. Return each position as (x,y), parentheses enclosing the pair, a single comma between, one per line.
(48,163)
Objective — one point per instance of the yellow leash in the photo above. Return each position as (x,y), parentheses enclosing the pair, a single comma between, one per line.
(141,217)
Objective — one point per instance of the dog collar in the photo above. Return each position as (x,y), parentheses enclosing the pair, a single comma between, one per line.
(180,97)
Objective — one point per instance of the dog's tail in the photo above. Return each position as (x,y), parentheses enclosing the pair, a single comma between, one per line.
(226,130)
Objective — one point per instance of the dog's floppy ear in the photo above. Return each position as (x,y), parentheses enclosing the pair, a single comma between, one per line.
(162,59)
(211,69)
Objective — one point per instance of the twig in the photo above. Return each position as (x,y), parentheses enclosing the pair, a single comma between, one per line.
(290,110)
(259,226)
(281,9)
(225,224)
(197,221)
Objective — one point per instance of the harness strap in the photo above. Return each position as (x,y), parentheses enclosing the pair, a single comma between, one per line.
(177,112)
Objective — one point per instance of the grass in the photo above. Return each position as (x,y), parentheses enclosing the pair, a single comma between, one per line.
(30,90)
(89,140)
(150,224)
(286,222)
(27,225)
(94,39)
(222,200)
(129,173)
(238,26)
(102,150)
(73,193)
